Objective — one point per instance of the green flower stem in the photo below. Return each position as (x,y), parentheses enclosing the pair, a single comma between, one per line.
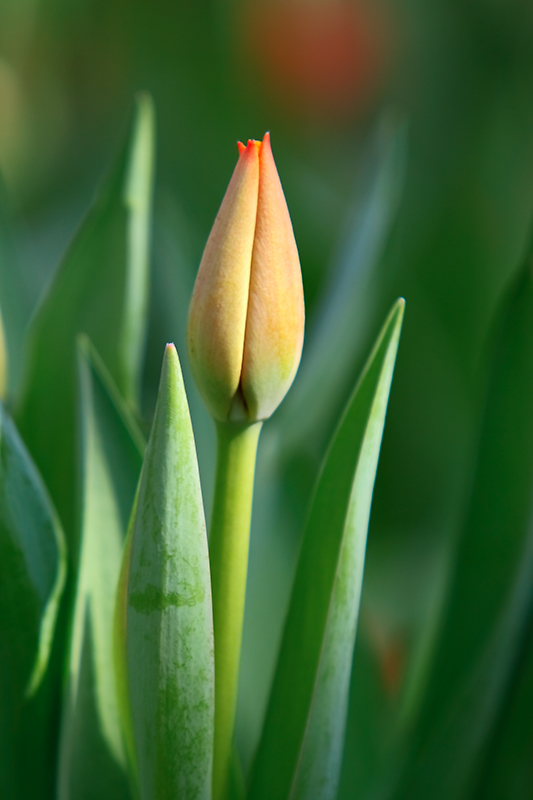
(228,549)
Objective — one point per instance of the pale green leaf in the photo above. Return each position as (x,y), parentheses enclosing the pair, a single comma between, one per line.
(301,747)
(165,634)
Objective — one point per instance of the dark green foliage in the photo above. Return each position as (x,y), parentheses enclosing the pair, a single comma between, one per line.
(481,646)
(33,558)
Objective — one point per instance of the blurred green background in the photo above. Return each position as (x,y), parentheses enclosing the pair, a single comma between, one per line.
(403,134)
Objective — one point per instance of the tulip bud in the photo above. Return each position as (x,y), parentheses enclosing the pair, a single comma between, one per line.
(246,319)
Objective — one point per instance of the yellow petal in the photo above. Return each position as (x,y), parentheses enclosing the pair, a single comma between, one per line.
(275,319)
(217,315)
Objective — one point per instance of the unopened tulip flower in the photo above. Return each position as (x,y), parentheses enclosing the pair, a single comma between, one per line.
(246,320)
(246,327)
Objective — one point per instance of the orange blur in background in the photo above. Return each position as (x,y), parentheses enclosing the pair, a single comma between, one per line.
(320,57)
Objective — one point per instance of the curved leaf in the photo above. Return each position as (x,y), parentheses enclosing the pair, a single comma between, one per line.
(32,576)
(301,747)
(99,289)
(92,763)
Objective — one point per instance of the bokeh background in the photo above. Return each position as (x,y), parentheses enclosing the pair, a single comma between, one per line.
(403,134)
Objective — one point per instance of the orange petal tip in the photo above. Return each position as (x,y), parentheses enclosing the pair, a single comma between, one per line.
(251,146)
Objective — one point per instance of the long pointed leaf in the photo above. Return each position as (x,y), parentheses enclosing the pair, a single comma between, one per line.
(165,630)
(301,747)
(92,757)
(100,290)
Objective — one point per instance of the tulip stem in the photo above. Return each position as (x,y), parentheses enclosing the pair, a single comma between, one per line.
(228,552)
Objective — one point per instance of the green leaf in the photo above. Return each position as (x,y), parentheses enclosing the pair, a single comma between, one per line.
(92,762)
(32,576)
(165,630)
(491,578)
(99,289)
(301,747)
